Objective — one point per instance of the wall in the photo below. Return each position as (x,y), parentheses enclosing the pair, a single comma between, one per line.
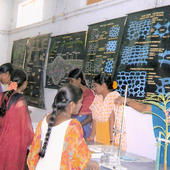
(4,47)
(5,20)
(61,17)
(140,135)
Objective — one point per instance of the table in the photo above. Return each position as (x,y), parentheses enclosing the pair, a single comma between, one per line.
(128,161)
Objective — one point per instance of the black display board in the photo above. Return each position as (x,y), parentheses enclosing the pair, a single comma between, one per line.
(145,54)
(103,44)
(30,54)
(66,53)
(34,65)
(18,53)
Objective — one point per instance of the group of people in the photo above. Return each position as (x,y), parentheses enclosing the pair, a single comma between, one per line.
(16,132)
(79,115)
(99,115)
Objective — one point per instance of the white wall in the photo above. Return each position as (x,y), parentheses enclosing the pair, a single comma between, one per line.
(65,16)
(4,48)
(140,135)
(5,20)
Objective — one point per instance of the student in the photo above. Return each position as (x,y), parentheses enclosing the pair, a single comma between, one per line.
(106,115)
(76,78)
(5,75)
(157,117)
(16,131)
(58,142)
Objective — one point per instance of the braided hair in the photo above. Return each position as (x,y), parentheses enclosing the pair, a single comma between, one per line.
(19,77)
(5,100)
(76,74)
(104,78)
(64,96)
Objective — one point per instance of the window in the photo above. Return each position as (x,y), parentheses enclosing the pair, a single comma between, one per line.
(29,12)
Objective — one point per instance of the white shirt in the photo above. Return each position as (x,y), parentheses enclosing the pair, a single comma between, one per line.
(52,158)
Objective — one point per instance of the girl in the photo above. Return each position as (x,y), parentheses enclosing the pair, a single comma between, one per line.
(58,142)
(76,78)
(5,75)
(106,115)
(16,131)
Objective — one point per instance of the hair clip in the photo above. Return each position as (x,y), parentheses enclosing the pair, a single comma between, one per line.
(114,85)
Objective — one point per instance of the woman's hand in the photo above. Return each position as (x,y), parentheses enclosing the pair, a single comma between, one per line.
(92,165)
(90,138)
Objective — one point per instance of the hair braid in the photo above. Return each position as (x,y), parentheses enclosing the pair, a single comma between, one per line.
(51,123)
(63,97)
(5,100)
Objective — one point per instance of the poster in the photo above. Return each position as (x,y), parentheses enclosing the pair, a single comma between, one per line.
(66,53)
(103,43)
(145,54)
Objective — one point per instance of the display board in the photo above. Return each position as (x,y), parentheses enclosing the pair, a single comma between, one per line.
(30,55)
(34,65)
(18,53)
(103,43)
(66,53)
(145,54)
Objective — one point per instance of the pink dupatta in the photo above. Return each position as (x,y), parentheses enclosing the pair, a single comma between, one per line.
(16,135)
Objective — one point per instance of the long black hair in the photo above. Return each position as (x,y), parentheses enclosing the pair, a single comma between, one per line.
(64,96)
(7,67)
(104,78)
(19,77)
(76,74)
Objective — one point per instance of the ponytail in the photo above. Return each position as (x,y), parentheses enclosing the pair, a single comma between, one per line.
(76,74)
(104,78)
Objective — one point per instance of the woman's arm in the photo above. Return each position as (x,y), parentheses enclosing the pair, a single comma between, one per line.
(87,120)
(33,155)
(93,132)
(85,109)
(111,125)
(140,107)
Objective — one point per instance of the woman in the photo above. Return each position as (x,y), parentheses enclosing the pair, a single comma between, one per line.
(106,115)
(76,78)
(5,75)
(63,145)
(16,131)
